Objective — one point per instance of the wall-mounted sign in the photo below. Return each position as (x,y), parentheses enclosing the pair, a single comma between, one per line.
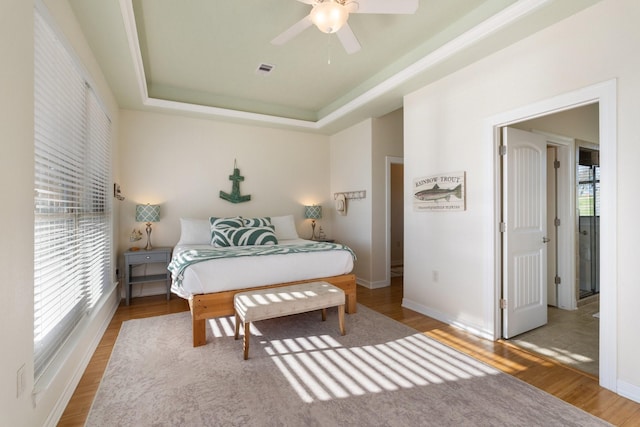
(440,193)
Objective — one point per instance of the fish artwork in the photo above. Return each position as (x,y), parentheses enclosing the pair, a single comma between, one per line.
(436,193)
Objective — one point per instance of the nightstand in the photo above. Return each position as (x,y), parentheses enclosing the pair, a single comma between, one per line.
(141,257)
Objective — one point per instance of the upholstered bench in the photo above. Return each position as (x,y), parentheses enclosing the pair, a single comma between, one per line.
(263,304)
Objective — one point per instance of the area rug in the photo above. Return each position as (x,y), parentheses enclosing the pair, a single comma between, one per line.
(302,372)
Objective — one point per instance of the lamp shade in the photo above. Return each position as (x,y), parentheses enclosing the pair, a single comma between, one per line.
(313,212)
(329,16)
(147,213)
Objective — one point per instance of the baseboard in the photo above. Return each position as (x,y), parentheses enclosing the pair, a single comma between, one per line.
(472,329)
(372,285)
(629,391)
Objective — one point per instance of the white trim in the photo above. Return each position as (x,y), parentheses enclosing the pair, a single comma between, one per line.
(498,21)
(566,293)
(605,94)
(64,398)
(226,113)
(629,391)
(126,7)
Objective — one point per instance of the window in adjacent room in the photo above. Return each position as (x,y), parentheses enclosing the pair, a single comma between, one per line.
(72,230)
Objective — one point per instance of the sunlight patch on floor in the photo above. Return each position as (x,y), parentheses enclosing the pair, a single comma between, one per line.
(562,355)
(319,368)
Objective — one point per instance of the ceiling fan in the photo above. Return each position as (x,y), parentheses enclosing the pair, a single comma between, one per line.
(330,16)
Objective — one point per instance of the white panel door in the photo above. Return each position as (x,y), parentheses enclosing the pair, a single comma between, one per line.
(525,239)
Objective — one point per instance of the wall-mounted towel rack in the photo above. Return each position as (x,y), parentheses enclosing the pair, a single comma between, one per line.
(352,195)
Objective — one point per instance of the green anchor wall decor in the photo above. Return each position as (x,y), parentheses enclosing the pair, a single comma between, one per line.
(235,196)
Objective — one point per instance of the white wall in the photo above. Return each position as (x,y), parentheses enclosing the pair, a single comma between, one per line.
(16,219)
(350,157)
(358,162)
(16,222)
(445,125)
(183,163)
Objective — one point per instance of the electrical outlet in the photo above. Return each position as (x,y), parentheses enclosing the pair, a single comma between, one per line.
(435,275)
(20,381)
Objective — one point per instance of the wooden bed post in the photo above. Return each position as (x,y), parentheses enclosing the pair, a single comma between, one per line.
(198,327)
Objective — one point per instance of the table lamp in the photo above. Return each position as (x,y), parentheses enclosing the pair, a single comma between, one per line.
(148,213)
(313,212)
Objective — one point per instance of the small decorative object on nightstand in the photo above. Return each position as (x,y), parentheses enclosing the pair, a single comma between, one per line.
(323,237)
(142,257)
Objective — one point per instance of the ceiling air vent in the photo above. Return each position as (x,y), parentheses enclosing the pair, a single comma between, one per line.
(264,69)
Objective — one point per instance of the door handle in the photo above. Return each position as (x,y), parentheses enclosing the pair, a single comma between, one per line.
(584,232)
(546,240)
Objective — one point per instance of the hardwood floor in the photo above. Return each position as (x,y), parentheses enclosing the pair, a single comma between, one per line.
(574,387)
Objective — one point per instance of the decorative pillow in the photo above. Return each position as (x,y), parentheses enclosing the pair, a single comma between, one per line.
(249,236)
(218,225)
(194,232)
(257,222)
(285,227)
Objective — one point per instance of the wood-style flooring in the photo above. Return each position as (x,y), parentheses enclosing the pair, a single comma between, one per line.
(574,387)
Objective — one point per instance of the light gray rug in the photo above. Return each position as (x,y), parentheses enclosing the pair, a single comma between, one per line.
(301,372)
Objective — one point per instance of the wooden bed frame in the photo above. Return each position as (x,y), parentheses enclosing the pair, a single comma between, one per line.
(208,306)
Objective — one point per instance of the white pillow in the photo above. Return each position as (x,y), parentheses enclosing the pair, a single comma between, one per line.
(194,232)
(285,227)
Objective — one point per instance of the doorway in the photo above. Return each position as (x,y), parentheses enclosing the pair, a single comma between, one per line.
(395,217)
(564,335)
(605,94)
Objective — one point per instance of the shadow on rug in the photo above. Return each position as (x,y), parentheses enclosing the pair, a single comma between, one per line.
(302,372)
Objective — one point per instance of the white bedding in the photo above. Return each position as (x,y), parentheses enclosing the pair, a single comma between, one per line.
(226,274)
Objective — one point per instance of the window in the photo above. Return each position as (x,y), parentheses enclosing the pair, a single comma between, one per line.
(72,230)
(588,182)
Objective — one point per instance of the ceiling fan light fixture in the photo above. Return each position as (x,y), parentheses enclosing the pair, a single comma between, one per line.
(329,16)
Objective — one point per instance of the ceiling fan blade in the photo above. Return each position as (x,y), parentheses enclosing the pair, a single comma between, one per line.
(348,39)
(383,6)
(293,31)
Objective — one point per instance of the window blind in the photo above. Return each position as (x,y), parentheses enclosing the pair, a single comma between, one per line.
(72,230)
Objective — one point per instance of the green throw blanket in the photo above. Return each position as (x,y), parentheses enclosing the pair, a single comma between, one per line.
(184,258)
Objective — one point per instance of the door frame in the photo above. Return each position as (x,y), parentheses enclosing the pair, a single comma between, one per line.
(605,94)
(566,292)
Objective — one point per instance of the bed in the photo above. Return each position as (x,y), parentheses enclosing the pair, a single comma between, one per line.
(208,272)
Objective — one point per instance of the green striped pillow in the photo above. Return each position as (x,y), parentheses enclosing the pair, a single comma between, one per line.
(219,225)
(250,236)
(257,222)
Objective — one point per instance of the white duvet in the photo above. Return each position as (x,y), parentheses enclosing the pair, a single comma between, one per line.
(224,274)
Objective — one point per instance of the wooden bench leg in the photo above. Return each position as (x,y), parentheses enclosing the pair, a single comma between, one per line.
(341,319)
(235,336)
(324,314)
(245,341)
